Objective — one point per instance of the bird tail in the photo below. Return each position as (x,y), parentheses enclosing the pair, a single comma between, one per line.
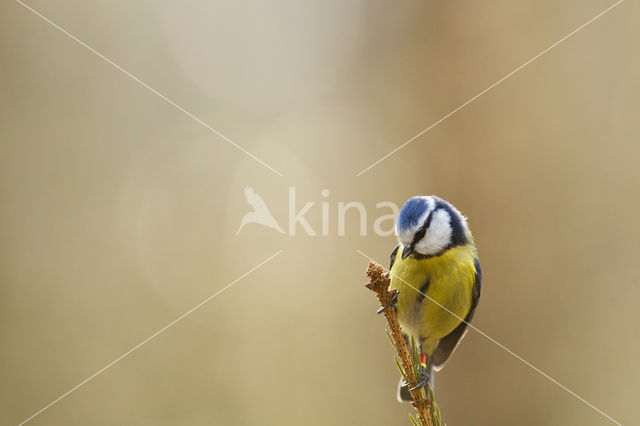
(403,390)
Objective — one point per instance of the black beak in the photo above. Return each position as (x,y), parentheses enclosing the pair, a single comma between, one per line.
(406,252)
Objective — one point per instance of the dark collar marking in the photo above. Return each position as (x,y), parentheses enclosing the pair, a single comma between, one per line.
(458,236)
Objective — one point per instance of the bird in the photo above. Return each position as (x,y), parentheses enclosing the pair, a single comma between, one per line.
(436,272)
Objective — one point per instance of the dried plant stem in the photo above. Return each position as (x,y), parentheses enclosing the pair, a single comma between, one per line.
(379,284)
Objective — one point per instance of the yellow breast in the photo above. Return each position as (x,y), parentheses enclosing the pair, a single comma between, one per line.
(447,280)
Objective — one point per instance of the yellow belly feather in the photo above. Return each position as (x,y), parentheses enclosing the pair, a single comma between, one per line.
(451,279)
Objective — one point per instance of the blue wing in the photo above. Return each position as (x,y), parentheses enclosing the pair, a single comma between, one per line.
(393,256)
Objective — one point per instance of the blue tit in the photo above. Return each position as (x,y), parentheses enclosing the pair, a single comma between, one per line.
(438,257)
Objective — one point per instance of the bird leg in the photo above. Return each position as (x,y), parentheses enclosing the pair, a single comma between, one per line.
(424,375)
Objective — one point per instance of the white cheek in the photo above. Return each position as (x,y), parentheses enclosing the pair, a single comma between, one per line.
(438,235)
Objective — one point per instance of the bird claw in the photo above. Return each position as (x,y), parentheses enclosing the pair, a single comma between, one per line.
(421,383)
(424,377)
(394,300)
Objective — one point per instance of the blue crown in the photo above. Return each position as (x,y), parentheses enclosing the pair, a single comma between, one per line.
(411,212)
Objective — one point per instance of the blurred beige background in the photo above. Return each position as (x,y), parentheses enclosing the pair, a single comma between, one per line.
(119,212)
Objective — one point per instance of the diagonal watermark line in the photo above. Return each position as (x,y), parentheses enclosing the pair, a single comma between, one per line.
(503,347)
(145,85)
(136,347)
(489,88)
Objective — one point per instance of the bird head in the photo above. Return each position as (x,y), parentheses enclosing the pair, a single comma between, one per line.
(428,226)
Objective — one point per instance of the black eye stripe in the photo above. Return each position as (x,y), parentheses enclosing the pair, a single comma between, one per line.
(428,222)
(423,230)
